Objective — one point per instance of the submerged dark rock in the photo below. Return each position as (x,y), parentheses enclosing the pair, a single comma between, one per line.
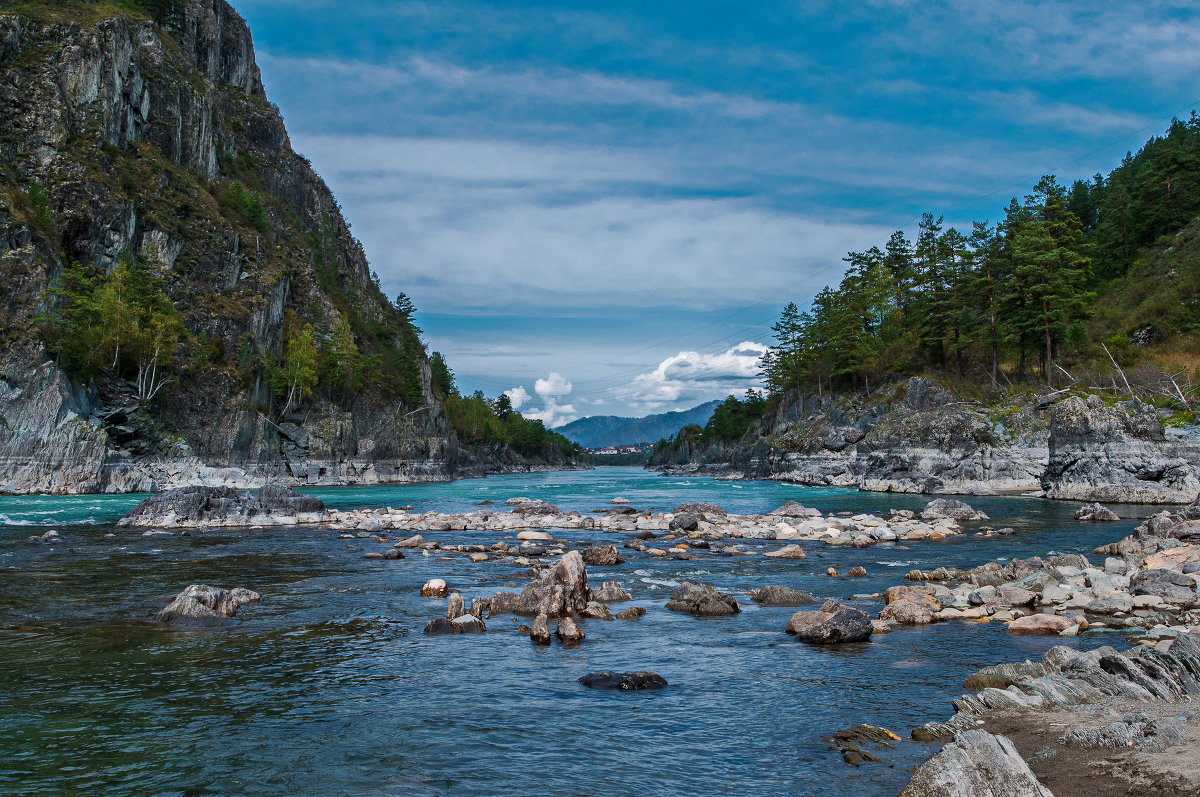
(624,681)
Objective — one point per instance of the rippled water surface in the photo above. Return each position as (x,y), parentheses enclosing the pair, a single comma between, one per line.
(330,686)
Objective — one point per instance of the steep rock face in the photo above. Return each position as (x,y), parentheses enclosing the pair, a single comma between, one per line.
(912,439)
(123,133)
(918,438)
(1119,453)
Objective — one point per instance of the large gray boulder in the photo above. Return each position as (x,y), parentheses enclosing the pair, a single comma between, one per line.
(832,624)
(202,605)
(192,507)
(561,591)
(976,764)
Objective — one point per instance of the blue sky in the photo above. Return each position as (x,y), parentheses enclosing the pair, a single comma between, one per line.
(604,205)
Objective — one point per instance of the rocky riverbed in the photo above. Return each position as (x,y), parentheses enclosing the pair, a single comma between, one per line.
(711,618)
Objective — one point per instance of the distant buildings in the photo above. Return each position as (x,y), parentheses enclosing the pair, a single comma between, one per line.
(640,448)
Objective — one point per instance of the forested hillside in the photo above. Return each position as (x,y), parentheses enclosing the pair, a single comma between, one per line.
(1067,277)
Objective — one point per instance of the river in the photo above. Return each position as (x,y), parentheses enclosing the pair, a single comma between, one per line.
(330,687)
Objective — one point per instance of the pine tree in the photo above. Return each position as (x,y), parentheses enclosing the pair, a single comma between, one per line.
(1049,268)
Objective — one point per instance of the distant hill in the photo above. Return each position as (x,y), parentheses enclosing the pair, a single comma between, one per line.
(598,431)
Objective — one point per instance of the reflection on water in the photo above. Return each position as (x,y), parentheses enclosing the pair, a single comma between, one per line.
(329,686)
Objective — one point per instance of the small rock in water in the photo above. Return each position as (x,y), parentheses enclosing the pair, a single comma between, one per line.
(412,542)
(596,611)
(857,572)
(435,588)
(624,681)
(540,632)
(200,604)
(609,592)
(831,571)
(952,509)
(788,552)
(632,613)
(1095,513)
(568,633)
(455,606)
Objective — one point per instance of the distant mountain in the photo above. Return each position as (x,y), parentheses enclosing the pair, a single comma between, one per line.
(598,431)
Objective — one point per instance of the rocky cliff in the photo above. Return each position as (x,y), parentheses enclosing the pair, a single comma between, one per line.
(919,438)
(141,131)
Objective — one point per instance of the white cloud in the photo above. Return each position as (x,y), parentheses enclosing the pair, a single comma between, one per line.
(552,387)
(550,390)
(518,396)
(691,377)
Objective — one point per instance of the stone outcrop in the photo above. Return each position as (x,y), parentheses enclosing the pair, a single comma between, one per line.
(976,764)
(918,438)
(193,507)
(1118,453)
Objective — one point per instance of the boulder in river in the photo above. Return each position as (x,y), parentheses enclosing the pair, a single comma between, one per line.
(685,521)
(796,509)
(632,613)
(192,507)
(952,509)
(561,591)
(832,624)
(415,541)
(530,508)
(624,681)
(702,601)
(787,552)
(539,634)
(976,763)
(1041,624)
(1095,513)
(200,604)
(609,592)
(464,624)
(699,507)
(602,555)
(435,588)
(568,633)
(775,595)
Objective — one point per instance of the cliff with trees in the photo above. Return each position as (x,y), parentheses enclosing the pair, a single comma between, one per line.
(1086,291)
(184,300)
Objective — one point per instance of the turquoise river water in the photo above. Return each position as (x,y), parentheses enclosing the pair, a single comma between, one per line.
(329,686)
